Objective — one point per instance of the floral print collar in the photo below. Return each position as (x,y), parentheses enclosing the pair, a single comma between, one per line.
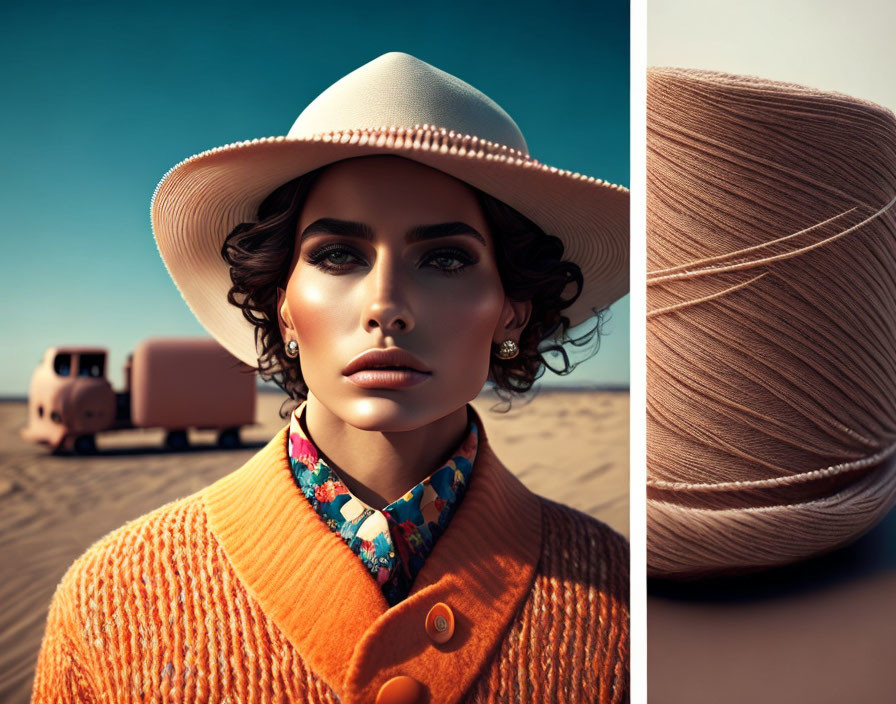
(394,542)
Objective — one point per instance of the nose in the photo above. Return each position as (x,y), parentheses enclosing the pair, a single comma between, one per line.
(387,306)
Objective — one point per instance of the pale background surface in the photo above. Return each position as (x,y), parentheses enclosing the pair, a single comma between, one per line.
(823,631)
(828,44)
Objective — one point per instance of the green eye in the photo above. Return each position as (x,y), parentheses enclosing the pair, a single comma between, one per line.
(339,257)
(445,262)
(450,261)
(334,258)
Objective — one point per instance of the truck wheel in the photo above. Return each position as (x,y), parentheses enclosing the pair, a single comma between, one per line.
(177,440)
(85,444)
(229,439)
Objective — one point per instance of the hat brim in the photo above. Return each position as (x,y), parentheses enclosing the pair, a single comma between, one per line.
(200,200)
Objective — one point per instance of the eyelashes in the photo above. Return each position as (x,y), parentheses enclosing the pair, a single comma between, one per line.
(323,257)
(460,258)
(339,258)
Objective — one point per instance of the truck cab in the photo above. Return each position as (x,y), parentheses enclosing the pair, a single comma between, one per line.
(70,398)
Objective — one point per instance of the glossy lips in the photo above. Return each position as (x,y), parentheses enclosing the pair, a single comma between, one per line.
(391,368)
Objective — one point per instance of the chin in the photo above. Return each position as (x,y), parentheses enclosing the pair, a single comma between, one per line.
(389,412)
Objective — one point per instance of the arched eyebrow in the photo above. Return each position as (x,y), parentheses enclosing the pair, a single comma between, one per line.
(444,229)
(419,233)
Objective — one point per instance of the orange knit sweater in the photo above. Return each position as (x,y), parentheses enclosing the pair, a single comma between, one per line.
(240,593)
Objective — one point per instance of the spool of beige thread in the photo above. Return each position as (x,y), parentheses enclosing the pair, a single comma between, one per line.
(771,328)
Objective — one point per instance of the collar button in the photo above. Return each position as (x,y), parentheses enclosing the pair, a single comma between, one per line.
(440,623)
(400,690)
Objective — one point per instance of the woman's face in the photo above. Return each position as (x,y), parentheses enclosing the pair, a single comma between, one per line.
(391,254)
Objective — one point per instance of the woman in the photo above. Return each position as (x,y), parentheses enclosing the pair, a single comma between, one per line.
(380,276)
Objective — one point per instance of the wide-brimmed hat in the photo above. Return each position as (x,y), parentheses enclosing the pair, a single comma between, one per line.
(395,104)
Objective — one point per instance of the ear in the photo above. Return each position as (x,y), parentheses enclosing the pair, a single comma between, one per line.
(514,317)
(284,319)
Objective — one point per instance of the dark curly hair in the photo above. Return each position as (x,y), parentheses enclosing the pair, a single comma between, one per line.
(529,261)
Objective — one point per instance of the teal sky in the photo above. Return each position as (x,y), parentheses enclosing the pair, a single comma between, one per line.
(101,99)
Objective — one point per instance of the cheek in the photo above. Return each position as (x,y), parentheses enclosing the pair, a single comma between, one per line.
(467,319)
(315,317)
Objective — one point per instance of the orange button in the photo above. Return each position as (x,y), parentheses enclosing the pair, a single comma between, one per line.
(440,623)
(400,690)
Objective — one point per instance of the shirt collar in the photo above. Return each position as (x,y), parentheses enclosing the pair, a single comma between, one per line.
(300,447)
(394,542)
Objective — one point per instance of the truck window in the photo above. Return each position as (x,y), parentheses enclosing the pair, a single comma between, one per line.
(62,364)
(92,365)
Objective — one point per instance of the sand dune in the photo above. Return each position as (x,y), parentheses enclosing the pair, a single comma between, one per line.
(568,446)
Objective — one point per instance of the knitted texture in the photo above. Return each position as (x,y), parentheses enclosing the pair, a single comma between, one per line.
(156,611)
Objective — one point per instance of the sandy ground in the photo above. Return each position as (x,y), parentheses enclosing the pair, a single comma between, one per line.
(54,508)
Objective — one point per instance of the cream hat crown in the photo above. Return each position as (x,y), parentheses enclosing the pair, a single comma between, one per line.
(401,90)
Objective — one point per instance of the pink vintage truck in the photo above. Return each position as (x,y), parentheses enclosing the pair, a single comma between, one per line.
(175,384)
